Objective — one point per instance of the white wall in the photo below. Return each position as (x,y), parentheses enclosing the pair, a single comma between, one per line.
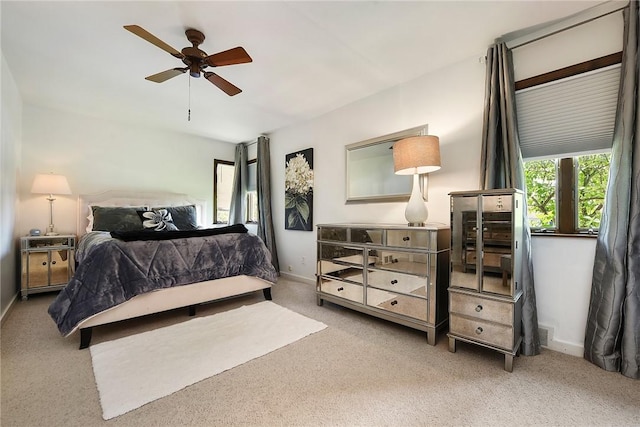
(9,160)
(450,101)
(97,155)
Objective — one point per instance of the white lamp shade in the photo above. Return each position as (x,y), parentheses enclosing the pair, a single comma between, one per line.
(416,155)
(50,184)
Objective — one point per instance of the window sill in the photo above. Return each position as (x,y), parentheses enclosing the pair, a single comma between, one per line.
(554,234)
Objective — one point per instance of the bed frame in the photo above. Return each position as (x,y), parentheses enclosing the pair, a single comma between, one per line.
(162,299)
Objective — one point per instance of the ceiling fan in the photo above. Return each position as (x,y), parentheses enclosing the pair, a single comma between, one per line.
(195,59)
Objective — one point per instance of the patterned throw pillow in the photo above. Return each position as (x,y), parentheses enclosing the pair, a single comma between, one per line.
(158,220)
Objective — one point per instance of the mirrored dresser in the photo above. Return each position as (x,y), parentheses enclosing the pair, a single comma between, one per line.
(393,272)
(485,293)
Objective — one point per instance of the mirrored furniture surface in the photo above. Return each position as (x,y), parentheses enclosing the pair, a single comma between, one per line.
(394,272)
(485,293)
(47,263)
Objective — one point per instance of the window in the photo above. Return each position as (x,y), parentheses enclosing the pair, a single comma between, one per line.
(565,125)
(222,187)
(567,195)
(252,191)
(224,172)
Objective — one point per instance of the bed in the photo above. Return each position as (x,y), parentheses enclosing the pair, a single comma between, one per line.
(144,253)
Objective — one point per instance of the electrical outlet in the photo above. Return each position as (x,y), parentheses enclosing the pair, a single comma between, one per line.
(302,260)
(290,268)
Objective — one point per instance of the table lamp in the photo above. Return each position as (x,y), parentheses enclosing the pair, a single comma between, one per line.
(50,184)
(414,156)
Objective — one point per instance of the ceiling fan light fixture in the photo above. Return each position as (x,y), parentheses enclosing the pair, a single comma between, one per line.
(194,70)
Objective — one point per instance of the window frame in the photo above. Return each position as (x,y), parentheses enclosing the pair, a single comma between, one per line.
(217,162)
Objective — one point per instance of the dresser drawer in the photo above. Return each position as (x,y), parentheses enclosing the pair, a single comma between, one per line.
(400,304)
(481,308)
(350,291)
(336,234)
(479,330)
(341,254)
(398,282)
(416,239)
(341,271)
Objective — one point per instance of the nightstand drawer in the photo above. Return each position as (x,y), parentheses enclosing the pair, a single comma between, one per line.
(481,308)
(478,330)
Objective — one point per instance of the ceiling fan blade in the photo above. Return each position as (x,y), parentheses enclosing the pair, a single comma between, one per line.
(237,55)
(224,85)
(166,75)
(141,32)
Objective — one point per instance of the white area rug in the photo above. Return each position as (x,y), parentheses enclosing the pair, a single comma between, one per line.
(139,369)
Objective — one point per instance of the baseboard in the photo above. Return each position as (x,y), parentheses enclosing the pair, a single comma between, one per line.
(9,309)
(297,278)
(547,340)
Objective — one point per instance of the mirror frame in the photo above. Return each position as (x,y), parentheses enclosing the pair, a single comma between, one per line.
(385,139)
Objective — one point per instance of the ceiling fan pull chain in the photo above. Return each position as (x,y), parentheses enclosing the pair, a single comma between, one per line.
(189,115)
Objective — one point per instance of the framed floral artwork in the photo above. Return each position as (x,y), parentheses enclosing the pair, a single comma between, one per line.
(298,192)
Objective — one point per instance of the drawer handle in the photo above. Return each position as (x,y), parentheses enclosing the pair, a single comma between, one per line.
(44,263)
(340,289)
(479,330)
(53,262)
(394,302)
(406,238)
(478,308)
(394,281)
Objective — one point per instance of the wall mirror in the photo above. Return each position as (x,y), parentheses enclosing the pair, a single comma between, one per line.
(369,174)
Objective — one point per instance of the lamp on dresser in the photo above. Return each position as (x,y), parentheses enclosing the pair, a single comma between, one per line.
(50,184)
(416,155)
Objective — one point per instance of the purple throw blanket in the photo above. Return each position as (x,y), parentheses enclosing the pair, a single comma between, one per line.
(115,271)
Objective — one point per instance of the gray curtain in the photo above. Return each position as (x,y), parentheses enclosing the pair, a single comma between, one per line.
(265,218)
(612,337)
(238,208)
(502,167)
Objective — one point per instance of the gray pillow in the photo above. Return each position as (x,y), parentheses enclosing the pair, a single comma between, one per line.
(184,217)
(116,218)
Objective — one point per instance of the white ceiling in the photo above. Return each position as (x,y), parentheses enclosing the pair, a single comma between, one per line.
(309,57)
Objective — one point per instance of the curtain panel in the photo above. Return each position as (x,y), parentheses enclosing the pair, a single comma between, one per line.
(238,208)
(502,167)
(612,336)
(265,217)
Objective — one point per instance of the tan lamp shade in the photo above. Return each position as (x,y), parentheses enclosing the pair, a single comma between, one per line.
(416,155)
(50,184)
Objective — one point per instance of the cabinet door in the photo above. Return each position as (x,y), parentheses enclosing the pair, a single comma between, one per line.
(38,269)
(465,242)
(59,267)
(497,244)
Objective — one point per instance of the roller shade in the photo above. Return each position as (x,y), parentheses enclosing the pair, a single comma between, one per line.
(568,116)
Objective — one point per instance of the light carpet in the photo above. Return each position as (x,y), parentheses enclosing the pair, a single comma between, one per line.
(139,369)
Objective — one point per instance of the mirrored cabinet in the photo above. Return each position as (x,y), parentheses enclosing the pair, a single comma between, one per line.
(397,273)
(486,289)
(47,263)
